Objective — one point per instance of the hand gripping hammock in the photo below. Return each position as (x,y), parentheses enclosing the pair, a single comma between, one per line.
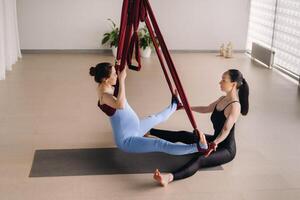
(134,12)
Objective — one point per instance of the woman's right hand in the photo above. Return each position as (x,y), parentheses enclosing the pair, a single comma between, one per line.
(211,147)
(122,75)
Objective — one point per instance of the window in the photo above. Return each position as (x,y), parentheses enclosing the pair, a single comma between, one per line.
(261,22)
(276,24)
(287,35)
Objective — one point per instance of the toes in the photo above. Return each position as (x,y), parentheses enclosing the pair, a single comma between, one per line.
(156,174)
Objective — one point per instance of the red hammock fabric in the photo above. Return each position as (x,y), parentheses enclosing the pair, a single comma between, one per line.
(134,12)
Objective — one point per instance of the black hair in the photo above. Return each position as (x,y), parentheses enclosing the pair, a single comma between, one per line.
(243,87)
(101,72)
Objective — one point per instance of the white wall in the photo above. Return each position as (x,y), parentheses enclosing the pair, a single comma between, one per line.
(80,24)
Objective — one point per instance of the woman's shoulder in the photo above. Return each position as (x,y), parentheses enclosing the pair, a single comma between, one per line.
(229,103)
(228,100)
(103,94)
(233,106)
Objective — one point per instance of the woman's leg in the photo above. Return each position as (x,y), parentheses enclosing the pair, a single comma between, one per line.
(175,136)
(149,122)
(144,145)
(221,156)
(178,136)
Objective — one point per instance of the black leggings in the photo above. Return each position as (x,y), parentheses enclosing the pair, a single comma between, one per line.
(225,152)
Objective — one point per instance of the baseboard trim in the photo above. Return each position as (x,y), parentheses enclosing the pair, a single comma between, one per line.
(107,51)
(203,51)
(65,51)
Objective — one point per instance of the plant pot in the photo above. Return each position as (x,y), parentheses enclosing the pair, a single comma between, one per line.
(114,51)
(146,53)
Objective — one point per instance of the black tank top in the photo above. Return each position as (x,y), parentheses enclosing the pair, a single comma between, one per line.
(218,119)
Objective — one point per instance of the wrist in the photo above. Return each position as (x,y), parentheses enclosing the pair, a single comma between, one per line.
(121,79)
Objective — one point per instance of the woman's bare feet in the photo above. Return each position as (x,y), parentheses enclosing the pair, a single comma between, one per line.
(176,99)
(163,180)
(202,144)
(147,135)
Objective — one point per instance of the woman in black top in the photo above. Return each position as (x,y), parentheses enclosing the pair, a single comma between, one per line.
(225,113)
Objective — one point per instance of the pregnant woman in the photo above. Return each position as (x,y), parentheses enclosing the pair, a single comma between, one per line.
(128,129)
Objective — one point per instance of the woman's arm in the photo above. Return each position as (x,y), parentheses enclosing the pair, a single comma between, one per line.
(119,102)
(206,109)
(202,109)
(234,113)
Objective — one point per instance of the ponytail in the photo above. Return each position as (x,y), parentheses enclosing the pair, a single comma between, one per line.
(243,89)
(244,97)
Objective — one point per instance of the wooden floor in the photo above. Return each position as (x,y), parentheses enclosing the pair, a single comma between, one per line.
(49,101)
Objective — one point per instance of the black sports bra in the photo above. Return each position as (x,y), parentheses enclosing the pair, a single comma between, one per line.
(108,110)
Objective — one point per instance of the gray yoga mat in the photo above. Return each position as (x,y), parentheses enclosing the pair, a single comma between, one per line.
(100,161)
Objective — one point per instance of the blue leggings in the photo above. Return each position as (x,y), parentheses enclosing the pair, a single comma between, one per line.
(129,132)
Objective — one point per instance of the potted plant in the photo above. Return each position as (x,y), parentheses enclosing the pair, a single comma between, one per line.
(146,44)
(112,38)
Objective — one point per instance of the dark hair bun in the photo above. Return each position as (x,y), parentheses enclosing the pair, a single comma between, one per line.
(93,71)
(101,71)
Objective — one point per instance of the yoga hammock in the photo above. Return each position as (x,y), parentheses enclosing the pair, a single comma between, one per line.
(134,12)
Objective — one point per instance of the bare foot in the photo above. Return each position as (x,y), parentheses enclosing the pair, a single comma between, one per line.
(163,180)
(147,135)
(176,99)
(203,140)
(176,93)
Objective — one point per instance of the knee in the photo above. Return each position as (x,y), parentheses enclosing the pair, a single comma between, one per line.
(230,156)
